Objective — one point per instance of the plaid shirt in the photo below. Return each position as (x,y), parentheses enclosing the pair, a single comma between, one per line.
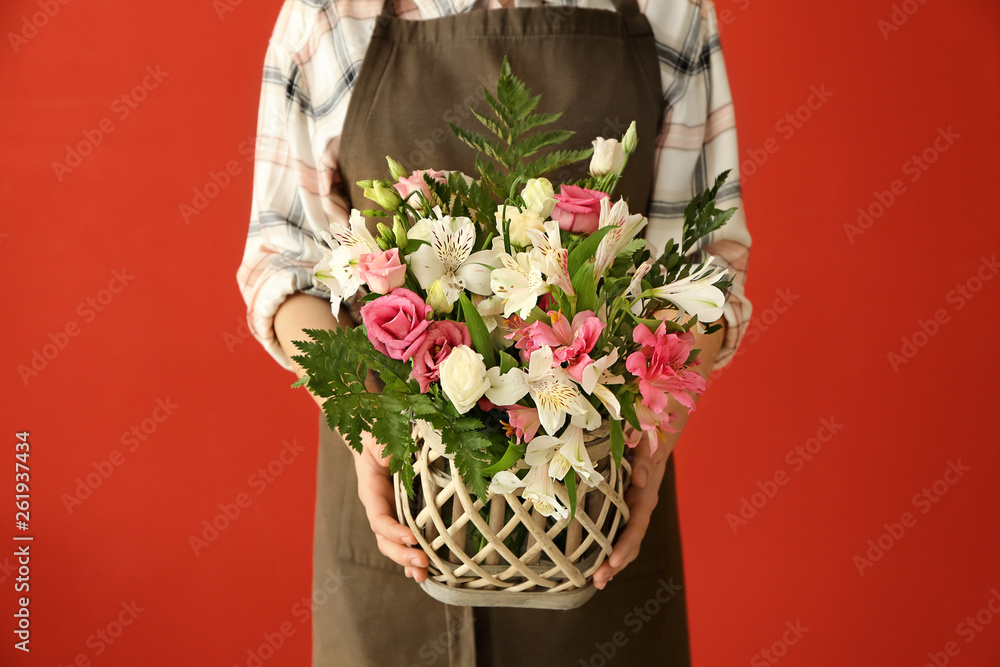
(312,61)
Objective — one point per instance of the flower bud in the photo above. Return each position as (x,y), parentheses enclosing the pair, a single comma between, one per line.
(366,184)
(631,139)
(538,195)
(399,230)
(608,158)
(387,198)
(437,299)
(396,169)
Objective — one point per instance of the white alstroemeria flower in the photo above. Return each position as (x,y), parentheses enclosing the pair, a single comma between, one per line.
(519,283)
(636,283)
(695,294)
(627,227)
(447,257)
(341,249)
(505,481)
(491,310)
(548,254)
(563,453)
(574,451)
(594,377)
(550,388)
(541,491)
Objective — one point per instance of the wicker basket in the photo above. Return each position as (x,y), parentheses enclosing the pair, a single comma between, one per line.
(551,568)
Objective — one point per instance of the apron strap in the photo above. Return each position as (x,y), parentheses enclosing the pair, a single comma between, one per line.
(623,7)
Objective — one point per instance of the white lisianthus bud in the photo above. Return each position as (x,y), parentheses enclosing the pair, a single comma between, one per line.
(437,299)
(463,377)
(608,158)
(520,223)
(539,196)
(631,139)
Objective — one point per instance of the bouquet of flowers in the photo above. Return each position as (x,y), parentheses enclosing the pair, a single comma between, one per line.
(511,324)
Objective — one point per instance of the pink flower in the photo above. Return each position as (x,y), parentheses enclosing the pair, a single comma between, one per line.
(568,341)
(654,424)
(660,367)
(396,323)
(578,209)
(415,181)
(523,421)
(441,338)
(382,270)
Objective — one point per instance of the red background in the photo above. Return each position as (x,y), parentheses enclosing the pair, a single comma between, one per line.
(175,333)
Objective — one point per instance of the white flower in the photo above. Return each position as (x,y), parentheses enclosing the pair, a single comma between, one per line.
(539,196)
(626,228)
(520,223)
(491,310)
(696,294)
(519,283)
(338,269)
(548,254)
(594,378)
(447,256)
(540,490)
(636,283)
(563,453)
(505,481)
(463,377)
(608,158)
(550,388)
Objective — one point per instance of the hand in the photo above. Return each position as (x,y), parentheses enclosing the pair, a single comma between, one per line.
(376,493)
(641,497)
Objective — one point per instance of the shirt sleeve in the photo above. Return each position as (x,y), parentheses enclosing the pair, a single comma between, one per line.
(697,142)
(287,210)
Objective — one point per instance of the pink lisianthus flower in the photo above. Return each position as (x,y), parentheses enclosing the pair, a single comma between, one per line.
(578,210)
(567,340)
(441,338)
(659,365)
(396,324)
(524,422)
(415,181)
(382,270)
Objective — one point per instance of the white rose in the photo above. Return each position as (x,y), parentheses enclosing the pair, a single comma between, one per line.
(520,223)
(539,196)
(608,158)
(463,377)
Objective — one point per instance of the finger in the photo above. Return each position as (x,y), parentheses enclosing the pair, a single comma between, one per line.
(404,556)
(644,461)
(376,494)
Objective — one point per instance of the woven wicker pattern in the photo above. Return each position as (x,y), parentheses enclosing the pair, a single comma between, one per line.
(445,517)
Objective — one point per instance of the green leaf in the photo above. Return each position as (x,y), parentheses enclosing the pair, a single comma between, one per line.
(510,457)
(617,441)
(535,142)
(586,249)
(570,481)
(478,332)
(507,362)
(586,288)
(625,399)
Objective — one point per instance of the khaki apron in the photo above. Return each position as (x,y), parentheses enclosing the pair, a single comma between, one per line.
(600,69)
